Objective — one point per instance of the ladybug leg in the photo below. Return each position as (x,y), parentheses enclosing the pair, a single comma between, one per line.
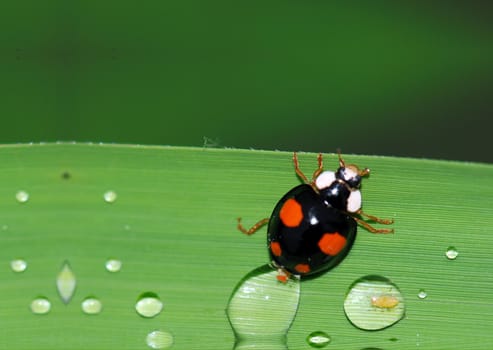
(319,169)
(252,229)
(303,176)
(374,218)
(372,229)
(283,275)
(298,170)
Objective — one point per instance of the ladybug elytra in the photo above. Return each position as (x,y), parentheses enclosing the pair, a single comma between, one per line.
(313,226)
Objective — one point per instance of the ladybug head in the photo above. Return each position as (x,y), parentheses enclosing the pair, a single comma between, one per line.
(350,173)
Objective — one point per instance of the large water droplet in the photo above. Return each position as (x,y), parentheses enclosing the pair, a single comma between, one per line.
(109,196)
(374,302)
(261,309)
(91,306)
(18,265)
(65,283)
(149,305)
(40,306)
(318,339)
(451,253)
(22,196)
(113,265)
(159,340)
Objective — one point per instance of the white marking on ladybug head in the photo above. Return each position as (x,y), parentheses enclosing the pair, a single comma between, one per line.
(350,173)
(354,201)
(325,179)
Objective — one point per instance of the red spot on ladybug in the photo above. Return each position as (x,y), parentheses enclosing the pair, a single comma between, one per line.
(332,243)
(302,268)
(291,213)
(275,248)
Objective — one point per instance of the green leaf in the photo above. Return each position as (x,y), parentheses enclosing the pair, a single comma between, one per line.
(169,216)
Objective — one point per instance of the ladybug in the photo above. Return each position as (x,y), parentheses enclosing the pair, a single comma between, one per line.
(313,226)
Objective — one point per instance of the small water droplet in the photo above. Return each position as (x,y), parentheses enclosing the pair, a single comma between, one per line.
(318,339)
(22,196)
(422,294)
(66,175)
(40,306)
(113,265)
(109,196)
(65,283)
(18,265)
(159,339)
(374,302)
(451,253)
(149,305)
(92,306)
(5,227)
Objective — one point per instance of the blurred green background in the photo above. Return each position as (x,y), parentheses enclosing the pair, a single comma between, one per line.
(394,78)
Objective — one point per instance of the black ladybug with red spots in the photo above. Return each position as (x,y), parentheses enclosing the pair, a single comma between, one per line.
(313,226)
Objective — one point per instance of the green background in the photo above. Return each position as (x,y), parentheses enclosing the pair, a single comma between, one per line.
(404,79)
(173,225)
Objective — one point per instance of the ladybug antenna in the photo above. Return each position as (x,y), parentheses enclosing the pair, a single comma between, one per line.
(342,164)
(364,172)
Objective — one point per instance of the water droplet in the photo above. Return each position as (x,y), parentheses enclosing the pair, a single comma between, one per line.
(66,175)
(422,294)
(113,265)
(40,306)
(109,196)
(65,283)
(92,306)
(5,227)
(374,302)
(451,253)
(22,196)
(261,309)
(149,305)
(318,339)
(159,340)
(18,265)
